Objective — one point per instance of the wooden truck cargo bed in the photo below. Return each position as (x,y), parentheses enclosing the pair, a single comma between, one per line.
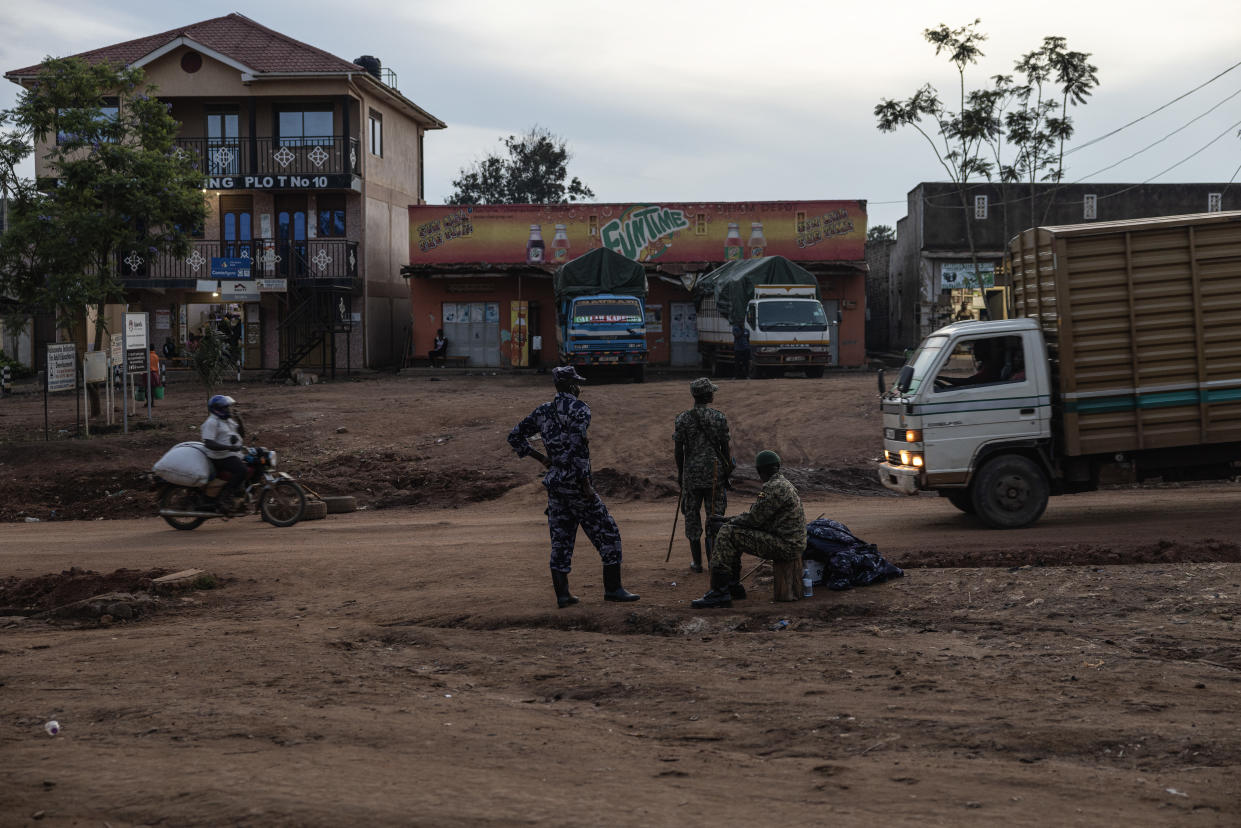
(1143,326)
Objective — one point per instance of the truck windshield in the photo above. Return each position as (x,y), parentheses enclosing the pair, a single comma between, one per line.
(925,358)
(791,314)
(607,312)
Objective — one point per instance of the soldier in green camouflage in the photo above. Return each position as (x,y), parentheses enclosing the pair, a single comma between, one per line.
(701,444)
(774,528)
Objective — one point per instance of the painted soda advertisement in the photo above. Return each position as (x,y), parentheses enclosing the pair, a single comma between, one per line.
(548,235)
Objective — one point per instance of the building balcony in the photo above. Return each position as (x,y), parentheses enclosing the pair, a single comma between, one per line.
(316,163)
(309,263)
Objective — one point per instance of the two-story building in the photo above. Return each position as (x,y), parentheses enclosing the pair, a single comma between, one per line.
(309,165)
(931,278)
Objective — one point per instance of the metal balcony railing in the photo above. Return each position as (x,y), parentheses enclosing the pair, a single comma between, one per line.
(306,156)
(312,262)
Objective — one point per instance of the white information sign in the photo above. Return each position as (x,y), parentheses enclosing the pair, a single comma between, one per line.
(118,348)
(136,332)
(61,368)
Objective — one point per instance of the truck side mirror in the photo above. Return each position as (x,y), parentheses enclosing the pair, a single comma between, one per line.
(904,378)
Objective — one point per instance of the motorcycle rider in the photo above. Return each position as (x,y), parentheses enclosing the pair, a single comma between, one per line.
(222,434)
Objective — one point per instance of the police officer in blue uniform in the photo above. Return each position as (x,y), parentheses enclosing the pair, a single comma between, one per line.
(571,497)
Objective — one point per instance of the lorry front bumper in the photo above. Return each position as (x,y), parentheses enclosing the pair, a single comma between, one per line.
(793,359)
(606,358)
(903,479)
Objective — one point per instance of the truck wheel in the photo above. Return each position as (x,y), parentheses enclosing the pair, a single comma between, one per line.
(815,372)
(1010,492)
(639,373)
(963,500)
(753,371)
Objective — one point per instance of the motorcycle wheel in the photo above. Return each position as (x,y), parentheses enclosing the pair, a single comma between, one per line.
(283,503)
(182,500)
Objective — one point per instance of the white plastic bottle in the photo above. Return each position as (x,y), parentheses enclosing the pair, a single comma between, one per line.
(807,584)
(758,242)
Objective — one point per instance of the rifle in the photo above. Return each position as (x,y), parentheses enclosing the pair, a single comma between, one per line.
(672,537)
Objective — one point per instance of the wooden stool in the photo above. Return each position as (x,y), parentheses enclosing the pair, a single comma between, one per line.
(787,585)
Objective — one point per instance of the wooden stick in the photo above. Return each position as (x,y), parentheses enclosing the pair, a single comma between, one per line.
(672,537)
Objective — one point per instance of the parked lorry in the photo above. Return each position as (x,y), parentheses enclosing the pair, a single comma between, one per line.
(1124,365)
(777,303)
(601,312)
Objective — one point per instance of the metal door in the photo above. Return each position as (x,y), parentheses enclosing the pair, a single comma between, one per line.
(683,333)
(831,308)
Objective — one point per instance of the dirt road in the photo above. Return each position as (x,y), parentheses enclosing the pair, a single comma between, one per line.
(407,665)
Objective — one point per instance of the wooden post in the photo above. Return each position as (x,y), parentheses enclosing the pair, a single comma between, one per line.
(787,585)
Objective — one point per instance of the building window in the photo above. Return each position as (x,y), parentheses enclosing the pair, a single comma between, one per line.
(1215,202)
(331,216)
(592,222)
(376,132)
(980,207)
(304,126)
(109,114)
(1090,206)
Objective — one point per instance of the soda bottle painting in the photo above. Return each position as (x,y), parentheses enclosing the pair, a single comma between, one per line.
(732,243)
(560,245)
(758,242)
(534,247)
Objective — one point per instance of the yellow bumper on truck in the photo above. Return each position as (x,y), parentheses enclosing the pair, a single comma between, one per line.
(904,479)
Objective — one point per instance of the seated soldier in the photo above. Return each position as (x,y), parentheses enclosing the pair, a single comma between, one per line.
(774,528)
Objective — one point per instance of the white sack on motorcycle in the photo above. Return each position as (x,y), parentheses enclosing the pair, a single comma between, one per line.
(185,464)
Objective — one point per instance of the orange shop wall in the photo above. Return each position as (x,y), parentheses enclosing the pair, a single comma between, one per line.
(428,295)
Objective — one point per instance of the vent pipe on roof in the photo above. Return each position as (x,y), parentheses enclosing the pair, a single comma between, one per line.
(371,64)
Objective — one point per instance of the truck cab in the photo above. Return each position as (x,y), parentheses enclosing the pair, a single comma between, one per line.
(970,416)
(788,329)
(603,329)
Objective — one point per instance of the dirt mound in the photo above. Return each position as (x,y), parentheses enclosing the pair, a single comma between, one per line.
(1162,551)
(614,483)
(26,596)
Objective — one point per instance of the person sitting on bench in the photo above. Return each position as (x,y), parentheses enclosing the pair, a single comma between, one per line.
(441,348)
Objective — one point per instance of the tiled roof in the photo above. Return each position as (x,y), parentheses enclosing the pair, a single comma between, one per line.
(234,36)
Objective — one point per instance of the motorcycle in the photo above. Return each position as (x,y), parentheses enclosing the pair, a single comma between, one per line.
(188,495)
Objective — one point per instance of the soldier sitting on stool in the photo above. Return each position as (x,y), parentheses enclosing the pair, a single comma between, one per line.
(774,528)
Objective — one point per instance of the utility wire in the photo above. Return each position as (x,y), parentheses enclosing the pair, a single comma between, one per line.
(1152,112)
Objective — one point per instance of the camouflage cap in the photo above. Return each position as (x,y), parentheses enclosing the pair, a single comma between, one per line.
(566,373)
(702,386)
(766,457)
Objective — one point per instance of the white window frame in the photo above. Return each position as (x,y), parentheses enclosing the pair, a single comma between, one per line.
(1215,202)
(1090,206)
(980,207)
(375,133)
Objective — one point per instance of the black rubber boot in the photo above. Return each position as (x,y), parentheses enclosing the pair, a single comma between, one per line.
(560,582)
(612,589)
(717,597)
(735,587)
(695,551)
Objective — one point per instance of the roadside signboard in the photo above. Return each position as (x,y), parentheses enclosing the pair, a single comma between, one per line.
(117,348)
(136,359)
(61,367)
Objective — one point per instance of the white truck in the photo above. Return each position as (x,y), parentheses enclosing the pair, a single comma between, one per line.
(1124,366)
(785,322)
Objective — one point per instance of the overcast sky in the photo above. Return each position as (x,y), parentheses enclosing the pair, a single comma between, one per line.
(682,100)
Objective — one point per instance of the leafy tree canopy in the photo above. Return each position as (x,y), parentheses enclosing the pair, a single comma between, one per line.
(120,186)
(533,173)
(880,233)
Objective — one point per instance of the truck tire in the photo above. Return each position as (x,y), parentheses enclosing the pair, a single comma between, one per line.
(639,373)
(754,372)
(963,499)
(815,372)
(1011,491)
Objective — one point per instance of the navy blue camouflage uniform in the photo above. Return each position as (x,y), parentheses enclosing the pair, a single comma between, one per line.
(571,497)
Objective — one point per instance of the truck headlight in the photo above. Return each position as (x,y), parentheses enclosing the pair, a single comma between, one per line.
(910,458)
(913,435)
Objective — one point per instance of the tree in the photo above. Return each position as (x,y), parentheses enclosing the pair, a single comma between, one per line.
(533,173)
(1041,124)
(960,134)
(880,233)
(121,186)
(212,360)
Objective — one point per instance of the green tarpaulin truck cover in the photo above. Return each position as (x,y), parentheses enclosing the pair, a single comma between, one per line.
(732,284)
(600,271)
